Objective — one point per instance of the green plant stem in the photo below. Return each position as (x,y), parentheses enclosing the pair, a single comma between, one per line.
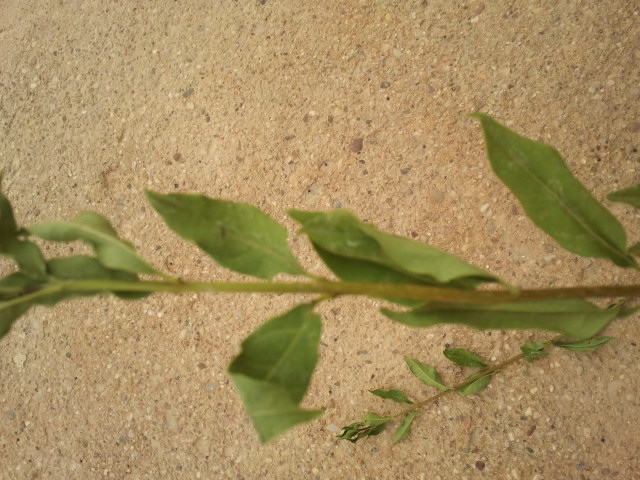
(489,370)
(331,289)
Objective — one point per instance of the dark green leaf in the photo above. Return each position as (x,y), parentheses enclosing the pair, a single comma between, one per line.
(425,373)
(552,197)
(12,287)
(95,230)
(635,249)
(477,386)
(464,358)
(534,350)
(26,254)
(574,318)
(393,258)
(273,371)
(373,424)
(237,236)
(395,395)
(629,195)
(404,429)
(587,345)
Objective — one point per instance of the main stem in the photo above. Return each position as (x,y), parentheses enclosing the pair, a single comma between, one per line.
(335,288)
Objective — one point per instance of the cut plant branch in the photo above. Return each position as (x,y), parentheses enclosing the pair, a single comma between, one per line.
(423,286)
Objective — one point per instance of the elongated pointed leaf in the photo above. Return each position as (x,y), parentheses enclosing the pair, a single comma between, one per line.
(588,345)
(630,195)
(534,350)
(463,357)
(396,395)
(404,429)
(237,236)
(373,424)
(477,386)
(392,258)
(552,197)
(95,230)
(273,371)
(574,318)
(425,373)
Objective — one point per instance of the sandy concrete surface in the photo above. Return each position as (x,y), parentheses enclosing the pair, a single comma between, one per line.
(264,102)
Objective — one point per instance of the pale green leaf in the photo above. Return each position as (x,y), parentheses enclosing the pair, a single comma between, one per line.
(396,259)
(463,357)
(404,429)
(425,373)
(552,197)
(396,395)
(273,371)
(96,231)
(630,195)
(588,345)
(533,350)
(574,318)
(477,386)
(237,236)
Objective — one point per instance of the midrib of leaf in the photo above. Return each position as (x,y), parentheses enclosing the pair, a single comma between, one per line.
(602,240)
(259,246)
(272,371)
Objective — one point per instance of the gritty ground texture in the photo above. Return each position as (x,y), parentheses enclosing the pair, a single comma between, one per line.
(310,105)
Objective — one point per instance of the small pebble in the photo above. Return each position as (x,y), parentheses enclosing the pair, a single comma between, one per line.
(356,145)
(19,359)
(480,465)
(385,85)
(333,428)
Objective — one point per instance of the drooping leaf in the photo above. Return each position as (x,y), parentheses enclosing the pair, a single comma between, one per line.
(237,236)
(630,195)
(393,258)
(12,287)
(404,429)
(534,350)
(477,386)
(588,345)
(273,370)
(396,395)
(574,318)
(95,230)
(552,197)
(425,373)
(463,357)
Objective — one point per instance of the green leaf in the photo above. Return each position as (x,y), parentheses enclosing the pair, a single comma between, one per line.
(425,373)
(552,197)
(477,386)
(635,249)
(11,287)
(630,195)
(95,230)
(26,254)
(534,350)
(396,395)
(588,345)
(237,236)
(273,371)
(397,259)
(464,358)
(82,267)
(574,318)
(373,424)
(404,429)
